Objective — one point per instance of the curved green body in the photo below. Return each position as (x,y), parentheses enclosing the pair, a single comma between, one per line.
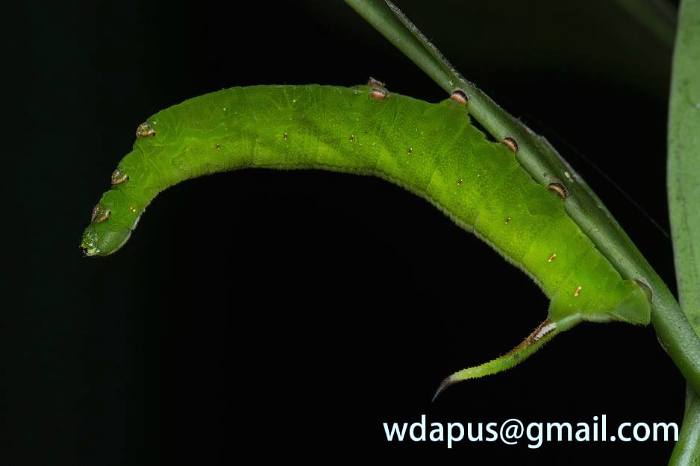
(431,150)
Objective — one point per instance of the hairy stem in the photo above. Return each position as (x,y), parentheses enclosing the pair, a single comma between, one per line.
(546,166)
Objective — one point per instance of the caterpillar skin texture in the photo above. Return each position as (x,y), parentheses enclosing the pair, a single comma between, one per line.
(431,150)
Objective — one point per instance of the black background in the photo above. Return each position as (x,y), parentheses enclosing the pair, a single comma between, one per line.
(263,313)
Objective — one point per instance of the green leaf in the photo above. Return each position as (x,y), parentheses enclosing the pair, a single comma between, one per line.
(683,197)
(684,160)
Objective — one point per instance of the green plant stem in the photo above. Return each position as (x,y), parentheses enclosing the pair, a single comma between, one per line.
(545,165)
(687,450)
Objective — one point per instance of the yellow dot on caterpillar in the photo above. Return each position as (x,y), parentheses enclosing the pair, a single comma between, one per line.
(285,136)
(552,257)
(217,146)
(410,150)
(352,138)
(511,144)
(508,219)
(577,291)
(459,96)
(559,189)
(118,177)
(145,130)
(100,214)
(460,181)
(133,209)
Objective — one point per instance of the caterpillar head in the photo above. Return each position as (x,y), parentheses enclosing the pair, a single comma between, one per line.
(115,216)
(110,226)
(103,243)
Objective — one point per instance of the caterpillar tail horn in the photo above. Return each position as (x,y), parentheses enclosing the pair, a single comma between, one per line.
(544,332)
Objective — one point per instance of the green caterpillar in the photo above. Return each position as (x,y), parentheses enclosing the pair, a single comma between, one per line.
(429,149)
